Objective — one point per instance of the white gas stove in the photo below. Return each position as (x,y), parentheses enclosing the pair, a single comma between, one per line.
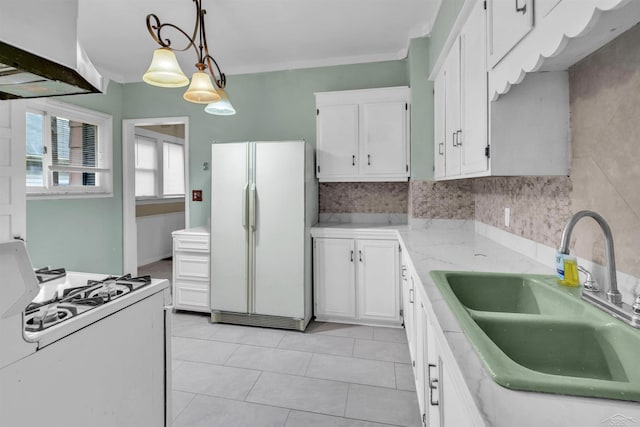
(54,323)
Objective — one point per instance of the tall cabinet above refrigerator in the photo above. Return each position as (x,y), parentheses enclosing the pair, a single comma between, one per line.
(263,203)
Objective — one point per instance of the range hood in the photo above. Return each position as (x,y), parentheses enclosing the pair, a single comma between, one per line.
(39,52)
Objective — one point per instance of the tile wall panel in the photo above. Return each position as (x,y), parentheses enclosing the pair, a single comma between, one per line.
(363,197)
(441,200)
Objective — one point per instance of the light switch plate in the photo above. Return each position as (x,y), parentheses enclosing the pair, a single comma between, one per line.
(196,195)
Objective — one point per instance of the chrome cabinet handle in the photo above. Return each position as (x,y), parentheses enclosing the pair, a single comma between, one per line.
(360,255)
(351,256)
(411,297)
(522,9)
(433,386)
(454,139)
(368,159)
(458,139)
(353,160)
(403,272)
(441,148)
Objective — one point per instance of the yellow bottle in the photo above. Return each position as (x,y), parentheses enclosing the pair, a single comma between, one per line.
(567,270)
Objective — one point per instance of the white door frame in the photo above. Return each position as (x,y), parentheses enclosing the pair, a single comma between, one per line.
(129,227)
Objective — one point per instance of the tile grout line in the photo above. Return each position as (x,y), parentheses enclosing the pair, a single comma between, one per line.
(252,387)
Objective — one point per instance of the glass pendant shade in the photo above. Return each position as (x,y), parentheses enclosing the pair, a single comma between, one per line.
(164,70)
(222,107)
(201,90)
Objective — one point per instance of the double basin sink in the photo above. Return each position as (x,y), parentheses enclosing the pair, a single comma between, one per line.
(533,334)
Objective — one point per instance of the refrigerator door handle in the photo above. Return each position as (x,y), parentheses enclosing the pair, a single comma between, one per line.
(252,207)
(245,210)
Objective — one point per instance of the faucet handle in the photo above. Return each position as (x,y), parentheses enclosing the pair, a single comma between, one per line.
(590,284)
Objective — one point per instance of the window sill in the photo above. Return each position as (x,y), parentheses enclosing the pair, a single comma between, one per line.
(69,195)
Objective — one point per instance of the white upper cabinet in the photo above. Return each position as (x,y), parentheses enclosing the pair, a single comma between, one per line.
(526,36)
(525,132)
(363,135)
(509,22)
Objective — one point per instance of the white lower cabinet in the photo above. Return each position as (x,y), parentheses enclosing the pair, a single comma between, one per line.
(357,280)
(191,270)
(408,306)
(441,396)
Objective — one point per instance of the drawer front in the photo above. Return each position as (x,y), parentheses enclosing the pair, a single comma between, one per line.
(200,244)
(192,297)
(191,267)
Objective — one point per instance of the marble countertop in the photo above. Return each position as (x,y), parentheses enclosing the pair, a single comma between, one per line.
(454,245)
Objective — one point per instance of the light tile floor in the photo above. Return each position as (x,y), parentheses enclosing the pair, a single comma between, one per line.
(331,375)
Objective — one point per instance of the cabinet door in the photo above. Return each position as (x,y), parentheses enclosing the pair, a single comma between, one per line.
(509,22)
(422,388)
(439,96)
(432,378)
(337,141)
(474,96)
(334,284)
(408,307)
(452,111)
(383,139)
(378,280)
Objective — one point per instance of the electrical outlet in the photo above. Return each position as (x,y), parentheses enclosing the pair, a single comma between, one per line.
(196,195)
(507,216)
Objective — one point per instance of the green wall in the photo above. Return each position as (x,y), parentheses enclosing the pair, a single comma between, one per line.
(270,106)
(421,110)
(87,234)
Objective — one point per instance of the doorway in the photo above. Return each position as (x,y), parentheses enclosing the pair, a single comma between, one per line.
(155,207)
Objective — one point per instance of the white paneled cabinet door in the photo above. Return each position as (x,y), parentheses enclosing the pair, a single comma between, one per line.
(337,141)
(439,96)
(452,111)
(334,270)
(378,277)
(383,136)
(509,22)
(13,203)
(473,81)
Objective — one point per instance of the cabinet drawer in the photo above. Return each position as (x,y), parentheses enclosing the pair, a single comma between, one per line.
(194,267)
(191,244)
(191,296)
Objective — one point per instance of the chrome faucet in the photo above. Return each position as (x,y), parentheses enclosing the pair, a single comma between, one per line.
(611,301)
(612,293)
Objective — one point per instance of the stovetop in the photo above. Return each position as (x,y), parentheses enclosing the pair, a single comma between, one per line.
(62,298)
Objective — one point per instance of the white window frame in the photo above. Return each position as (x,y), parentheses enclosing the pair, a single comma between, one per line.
(160,139)
(104,152)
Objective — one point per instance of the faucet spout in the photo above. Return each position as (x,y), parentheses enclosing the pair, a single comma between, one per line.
(612,293)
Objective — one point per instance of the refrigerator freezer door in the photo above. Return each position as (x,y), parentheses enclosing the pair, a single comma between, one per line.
(279,229)
(229,235)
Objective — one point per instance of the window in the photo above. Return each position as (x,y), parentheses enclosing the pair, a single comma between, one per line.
(159,165)
(68,152)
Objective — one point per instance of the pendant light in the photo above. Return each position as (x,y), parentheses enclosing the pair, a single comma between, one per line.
(222,107)
(164,70)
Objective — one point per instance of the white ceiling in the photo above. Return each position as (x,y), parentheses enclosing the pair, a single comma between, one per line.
(248,36)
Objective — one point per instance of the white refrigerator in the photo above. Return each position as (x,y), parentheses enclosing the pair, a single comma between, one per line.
(263,203)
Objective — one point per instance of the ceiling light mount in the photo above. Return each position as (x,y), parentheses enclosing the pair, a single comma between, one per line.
(165,71)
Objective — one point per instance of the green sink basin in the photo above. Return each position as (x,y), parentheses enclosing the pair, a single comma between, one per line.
(533,334)
(508,293)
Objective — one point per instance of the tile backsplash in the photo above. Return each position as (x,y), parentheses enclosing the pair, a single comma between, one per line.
(540,206)
(363,197)
(441,200)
